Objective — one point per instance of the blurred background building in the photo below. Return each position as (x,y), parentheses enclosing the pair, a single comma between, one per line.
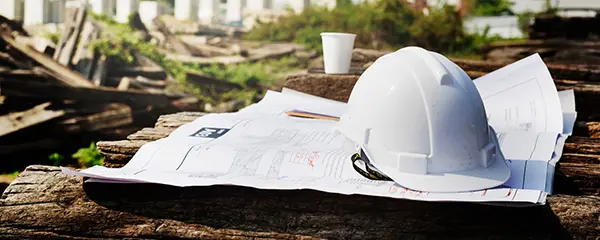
(246,12)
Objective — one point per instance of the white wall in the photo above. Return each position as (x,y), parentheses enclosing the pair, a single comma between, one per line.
(186,9)
(208,10)
(12,9)
(505,26)
(126,8)
(150,10)
(299,5)
(234,11)
(258,5)
(35,11)
(105,7)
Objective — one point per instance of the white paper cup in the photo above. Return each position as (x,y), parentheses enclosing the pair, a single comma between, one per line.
(337,52)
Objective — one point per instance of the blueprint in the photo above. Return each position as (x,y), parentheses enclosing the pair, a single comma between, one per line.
(262,147)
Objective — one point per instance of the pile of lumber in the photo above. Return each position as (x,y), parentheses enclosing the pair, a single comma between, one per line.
(556,51)
(207,47)
(73,96)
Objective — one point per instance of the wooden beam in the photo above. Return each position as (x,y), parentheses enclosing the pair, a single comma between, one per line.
(16,121)
(156,73)
(45,203)
(71,35)
(85,56)
(101,94)
(177,45)
(57,70)
(124,83)
(205,81)
(117,115)
(100,71)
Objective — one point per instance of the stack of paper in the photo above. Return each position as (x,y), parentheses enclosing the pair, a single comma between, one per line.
(261,146)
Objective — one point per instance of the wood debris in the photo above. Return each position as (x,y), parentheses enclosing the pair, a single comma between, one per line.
(69,98)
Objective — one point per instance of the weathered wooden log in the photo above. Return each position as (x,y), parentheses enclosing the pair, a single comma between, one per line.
(58,71)
(177,45)
(558,71)
(44,203)
(578,150)
(336,87)
(99,94)
(67,46)
(113,116)
(84,57)
(546,43)
(16,121)
(210,85)
(155,73)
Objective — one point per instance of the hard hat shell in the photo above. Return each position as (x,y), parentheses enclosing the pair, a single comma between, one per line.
(421,121)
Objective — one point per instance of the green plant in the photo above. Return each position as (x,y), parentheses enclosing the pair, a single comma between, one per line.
(54,37)
(56,159)
(90,156)
(524,20)
(14,174)
(381,24)
(441,30)
(492,7)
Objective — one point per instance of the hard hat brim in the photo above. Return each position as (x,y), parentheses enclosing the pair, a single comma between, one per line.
(472,180)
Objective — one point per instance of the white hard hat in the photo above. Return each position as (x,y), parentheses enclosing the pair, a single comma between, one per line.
(420,120)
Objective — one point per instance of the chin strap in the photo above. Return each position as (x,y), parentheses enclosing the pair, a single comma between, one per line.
(369,173)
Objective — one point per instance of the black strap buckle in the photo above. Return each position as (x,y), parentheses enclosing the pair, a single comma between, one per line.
(369,173)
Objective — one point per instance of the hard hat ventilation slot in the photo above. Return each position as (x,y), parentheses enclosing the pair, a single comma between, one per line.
(366,136)
(488,154)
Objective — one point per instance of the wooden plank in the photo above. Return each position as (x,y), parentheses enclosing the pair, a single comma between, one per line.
(99,74)
(70,19)
(124,84)
(268,51)
(16,121)
(59,71)
(206,50)
(67,50)
(117,115)
(205,81)
(336,87)
(143,82)
(85,56)
(177,45)
(150,72)
(45,203)
(101,94)
(7,60)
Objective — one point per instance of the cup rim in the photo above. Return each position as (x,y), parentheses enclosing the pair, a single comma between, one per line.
(337,34)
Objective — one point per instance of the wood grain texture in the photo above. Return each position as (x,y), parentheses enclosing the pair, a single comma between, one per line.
(43,202)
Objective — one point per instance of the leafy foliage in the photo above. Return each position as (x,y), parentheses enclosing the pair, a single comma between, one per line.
(54,37)
(492,7)
(88,157)
(121,44)
(382,24)
(56,159)
(441,30)
(379,23)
